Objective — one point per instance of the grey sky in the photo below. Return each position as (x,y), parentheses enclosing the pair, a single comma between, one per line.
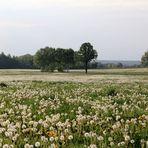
(118,29)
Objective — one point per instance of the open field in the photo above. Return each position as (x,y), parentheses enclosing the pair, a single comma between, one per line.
(104,109)
(117,75)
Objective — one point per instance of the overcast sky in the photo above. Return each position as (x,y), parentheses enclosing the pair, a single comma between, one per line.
(118,29)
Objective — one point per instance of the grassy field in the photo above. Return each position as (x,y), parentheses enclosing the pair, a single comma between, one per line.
(109,75)
(104,109)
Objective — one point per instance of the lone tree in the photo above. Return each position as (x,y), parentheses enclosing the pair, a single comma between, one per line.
(144,59)
(87,53)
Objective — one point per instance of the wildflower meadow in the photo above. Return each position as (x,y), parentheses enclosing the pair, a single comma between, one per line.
(101,114)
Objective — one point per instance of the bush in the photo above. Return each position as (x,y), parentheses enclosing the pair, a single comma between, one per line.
(109,91)
(49,68)
(60,68)
(3,85)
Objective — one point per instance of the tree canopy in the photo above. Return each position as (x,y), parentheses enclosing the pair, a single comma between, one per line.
(45,58)
(144,59)
(8,61)
(87,53)
(61,59)
(48,59)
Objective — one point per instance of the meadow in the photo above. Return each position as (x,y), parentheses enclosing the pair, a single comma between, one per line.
(103,109)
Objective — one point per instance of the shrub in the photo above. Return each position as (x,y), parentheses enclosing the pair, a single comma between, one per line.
(60,68)
(110,91)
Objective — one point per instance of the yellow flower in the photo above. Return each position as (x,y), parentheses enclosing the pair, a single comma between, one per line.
(52,133)
(53,146)
(141,118)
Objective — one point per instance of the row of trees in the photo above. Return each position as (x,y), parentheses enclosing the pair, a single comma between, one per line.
(8,61)
(49,59)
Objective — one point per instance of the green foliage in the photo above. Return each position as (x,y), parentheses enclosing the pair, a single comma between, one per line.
(87,53)
(64,58)
(7,61)
(26,60)
(59,55)
(68,58)
(144,59)
(49,68)
(109,90)
(60,68)
(44,58)
(3,84)
(48,59)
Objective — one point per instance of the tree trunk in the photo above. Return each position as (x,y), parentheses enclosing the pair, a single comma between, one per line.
(86,64)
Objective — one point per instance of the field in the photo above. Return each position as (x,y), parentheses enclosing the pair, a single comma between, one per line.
(104,109)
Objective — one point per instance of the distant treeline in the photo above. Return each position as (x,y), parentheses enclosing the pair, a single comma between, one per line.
(50,59)
(28,62)
(11,62)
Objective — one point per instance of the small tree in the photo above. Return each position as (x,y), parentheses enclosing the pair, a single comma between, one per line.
(87,53)
(144,59)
